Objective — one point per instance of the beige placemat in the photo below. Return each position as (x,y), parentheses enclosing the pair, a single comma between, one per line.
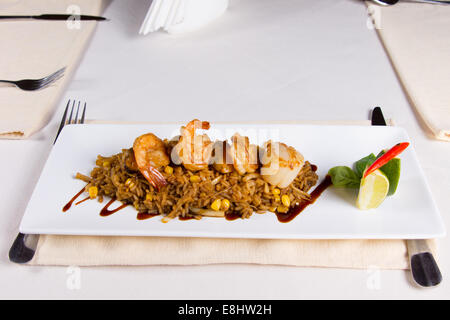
(96,251)
(99,250)
(416,38)
(34,49)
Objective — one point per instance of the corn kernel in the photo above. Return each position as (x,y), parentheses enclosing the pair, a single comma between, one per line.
(272,209)
(168,170)
(93,191)
(225,205)
(106,164)
(276,191)
(195,179)
(277,198)
(129,183)
(282,209)
(148,197)
(216,205)
(286,201)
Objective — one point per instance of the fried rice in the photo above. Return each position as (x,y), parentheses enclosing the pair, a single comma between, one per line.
(191,194)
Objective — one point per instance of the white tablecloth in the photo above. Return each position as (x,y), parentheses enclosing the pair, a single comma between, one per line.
(311,60)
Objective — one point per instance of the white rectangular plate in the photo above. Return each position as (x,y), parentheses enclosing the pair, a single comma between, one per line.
(410,214)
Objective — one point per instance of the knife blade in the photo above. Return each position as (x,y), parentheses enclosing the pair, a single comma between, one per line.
(424,268)
(56,17)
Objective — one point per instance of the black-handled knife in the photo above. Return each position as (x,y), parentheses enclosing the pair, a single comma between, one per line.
(55,17)
(424,268)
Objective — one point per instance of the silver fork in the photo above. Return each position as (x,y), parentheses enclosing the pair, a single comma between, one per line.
(36,84)
(24,246)
(75,119)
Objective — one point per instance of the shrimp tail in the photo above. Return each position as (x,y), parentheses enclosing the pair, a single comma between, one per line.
(205,125)
(155,177)
(196,124)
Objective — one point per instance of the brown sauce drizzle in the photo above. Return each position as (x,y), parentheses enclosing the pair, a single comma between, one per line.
(69,204)
(230,216)
(106,212)
(81,201)
(146,215)
(295,211)
(185,218)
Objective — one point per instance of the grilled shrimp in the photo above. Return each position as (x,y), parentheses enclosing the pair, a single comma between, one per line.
(280,163)
(150,154)
(244,154)
(192,150)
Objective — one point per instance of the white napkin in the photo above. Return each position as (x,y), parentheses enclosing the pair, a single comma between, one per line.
(34,49)
(179,16)
(416,37)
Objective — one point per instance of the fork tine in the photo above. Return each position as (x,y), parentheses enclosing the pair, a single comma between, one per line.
(83,114)
(71,112)
(45,82)
(53,77)
(63,121)
(75,120)
(54,74)
(48,81)
(76,115)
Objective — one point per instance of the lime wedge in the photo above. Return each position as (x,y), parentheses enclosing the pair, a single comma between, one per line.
(392,172)
(372,191)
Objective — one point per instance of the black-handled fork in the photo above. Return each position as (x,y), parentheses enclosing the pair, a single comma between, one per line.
(35,84)
(24,246)
(424,268)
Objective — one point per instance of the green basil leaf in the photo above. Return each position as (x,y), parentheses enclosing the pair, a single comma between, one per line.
(363,163)
(381,153)
(344,177)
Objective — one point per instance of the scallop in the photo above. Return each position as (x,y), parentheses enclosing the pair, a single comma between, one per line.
(280,163)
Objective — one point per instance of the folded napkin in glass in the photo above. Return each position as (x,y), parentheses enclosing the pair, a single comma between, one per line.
(179,16)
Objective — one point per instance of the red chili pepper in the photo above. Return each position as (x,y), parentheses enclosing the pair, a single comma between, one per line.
(385,158)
